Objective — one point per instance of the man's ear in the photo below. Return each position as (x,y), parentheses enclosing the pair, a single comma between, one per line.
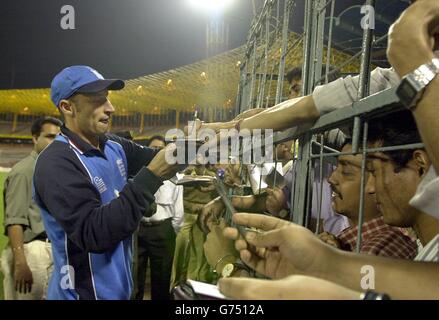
(66,108)
(422,161)
(34,139)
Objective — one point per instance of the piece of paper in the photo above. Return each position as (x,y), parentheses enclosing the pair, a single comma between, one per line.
(181,179)
(273,181)
(258,176)
(206,289)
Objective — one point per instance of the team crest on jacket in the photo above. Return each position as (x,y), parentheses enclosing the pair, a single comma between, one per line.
(121,167)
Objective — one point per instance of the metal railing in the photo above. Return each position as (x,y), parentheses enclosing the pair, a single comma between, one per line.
(312,154)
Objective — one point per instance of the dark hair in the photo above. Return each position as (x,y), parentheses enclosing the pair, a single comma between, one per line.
(296,73)
(37,125)
(397,128)
(156,137)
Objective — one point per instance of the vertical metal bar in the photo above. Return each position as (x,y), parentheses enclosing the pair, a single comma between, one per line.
(329,47)
(267,43)
(362,187)
(308,212)
(269,85)
(284,47)
(301,179)
(320,31)
(245,87)
(319,213)
(253,75)
(278,15)
(300,197)
(307,69)
(293,180)
(364,81)
(239,96)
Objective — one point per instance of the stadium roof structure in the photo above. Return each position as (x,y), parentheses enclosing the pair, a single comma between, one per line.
(209,83)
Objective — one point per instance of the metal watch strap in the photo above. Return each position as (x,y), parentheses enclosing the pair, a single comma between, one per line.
(427,72)
(417,81)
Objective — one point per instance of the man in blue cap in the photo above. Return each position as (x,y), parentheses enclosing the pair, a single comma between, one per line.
(89,206)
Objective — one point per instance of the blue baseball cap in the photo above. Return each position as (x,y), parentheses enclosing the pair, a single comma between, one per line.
(80,79)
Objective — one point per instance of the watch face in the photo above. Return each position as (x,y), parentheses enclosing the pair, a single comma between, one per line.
(228,269)
(406,90)
(408,94)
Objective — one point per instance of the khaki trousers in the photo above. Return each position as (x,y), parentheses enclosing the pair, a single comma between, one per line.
(39,259)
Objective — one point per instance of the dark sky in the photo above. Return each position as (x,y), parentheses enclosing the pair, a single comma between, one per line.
(125,38)
(120,38)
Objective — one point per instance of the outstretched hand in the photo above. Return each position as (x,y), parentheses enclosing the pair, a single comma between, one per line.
(281,249)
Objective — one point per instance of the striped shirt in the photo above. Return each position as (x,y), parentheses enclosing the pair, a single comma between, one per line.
(430,252)
(379,239)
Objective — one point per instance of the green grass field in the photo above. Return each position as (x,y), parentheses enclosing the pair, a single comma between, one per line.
(3,238)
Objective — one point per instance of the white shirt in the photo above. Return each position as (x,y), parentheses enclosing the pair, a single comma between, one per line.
(344,91)
(426,198)
(169,200)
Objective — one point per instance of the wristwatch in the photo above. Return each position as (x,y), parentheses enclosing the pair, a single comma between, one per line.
(413,85)
(373,295)
(228,270)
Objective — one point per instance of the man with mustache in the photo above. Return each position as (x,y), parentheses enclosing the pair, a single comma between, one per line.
(411,44)
(377,238)
(286,249)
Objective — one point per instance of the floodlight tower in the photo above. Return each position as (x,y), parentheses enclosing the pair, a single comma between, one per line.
(217,27)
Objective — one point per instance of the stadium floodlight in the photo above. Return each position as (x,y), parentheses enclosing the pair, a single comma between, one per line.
(211,6)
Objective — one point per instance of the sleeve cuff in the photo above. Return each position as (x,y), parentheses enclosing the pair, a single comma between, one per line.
(13,221)
(147,182)
(333,96)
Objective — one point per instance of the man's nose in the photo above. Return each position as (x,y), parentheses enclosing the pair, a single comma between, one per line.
(109,107)
(370,184)
(331,179)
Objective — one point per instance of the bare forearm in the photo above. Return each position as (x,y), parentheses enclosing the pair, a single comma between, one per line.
(401,279)
(284,115)
(15,234)
(217,126)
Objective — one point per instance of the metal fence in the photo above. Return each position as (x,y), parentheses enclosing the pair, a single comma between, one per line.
(260,72)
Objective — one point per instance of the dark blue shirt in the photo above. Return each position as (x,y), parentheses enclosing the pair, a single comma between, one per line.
(90,210)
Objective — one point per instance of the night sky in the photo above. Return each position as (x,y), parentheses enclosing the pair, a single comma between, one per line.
(120,38)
